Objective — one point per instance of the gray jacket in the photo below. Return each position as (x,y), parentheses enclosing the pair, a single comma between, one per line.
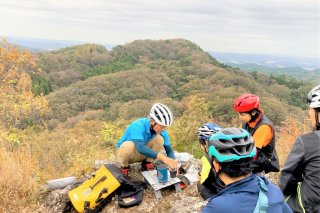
(300,176)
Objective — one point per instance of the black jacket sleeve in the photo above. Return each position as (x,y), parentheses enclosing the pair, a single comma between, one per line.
(292,170)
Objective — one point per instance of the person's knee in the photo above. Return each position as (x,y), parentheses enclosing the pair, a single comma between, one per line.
(159,140)
(156,144)
(127,145)
(126,149)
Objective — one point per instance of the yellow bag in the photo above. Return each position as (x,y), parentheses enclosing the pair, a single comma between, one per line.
(95,191)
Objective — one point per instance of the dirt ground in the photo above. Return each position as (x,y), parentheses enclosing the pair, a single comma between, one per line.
(186,201)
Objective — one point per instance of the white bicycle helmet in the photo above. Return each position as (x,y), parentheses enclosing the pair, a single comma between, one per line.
(208,129)
(313,98)
(161,114)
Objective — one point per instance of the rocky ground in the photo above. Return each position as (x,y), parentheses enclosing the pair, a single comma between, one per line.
(188,200)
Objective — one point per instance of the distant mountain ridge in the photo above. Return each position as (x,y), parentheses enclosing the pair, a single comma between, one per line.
(301,68)
(297,72)
(40,45)
(236,58)
(271,61)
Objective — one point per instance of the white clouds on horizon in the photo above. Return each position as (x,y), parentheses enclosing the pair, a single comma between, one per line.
(269,26)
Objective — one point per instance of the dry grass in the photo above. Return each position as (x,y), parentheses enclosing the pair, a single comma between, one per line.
(46,155)
(68,152)
(18,183)
(287,134)
(43,155)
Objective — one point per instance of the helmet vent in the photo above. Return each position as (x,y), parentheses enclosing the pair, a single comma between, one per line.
(223,140)
(224,152)
(231,144)
(236,140)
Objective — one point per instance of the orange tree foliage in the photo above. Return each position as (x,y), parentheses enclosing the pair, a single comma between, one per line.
(18,107)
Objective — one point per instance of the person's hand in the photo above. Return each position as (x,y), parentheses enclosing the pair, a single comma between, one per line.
(173,164)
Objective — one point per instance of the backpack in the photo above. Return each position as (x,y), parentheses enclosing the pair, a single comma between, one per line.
(93,194)
(262,203)
(210,184)
(131,193)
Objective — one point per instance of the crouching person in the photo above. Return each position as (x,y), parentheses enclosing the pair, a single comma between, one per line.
(232,151)
(144,138)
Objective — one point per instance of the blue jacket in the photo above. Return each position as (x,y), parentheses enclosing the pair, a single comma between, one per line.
(139,133)
(242,197)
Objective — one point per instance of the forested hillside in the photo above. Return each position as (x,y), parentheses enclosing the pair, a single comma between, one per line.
(139,73)
(62,110)
(66,66)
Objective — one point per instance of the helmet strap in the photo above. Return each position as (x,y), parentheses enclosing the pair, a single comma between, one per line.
(152,126)
(316,112)
(204,147)
(202,142)
(217,182)
(254,115)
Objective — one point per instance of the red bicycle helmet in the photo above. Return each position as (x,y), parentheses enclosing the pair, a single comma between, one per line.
(246,102)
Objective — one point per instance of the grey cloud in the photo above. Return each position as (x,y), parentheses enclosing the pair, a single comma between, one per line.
(228,21)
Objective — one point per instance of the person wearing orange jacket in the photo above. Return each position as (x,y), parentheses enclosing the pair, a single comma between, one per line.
(261,128)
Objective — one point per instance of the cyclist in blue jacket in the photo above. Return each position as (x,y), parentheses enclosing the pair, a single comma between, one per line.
(144,138)
(232,151)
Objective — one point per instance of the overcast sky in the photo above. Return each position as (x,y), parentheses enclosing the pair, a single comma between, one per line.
(281,27)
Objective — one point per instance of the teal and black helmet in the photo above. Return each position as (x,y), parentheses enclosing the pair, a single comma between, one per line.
(231,144)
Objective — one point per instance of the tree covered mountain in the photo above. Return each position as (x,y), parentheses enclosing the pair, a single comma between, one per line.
(131,77)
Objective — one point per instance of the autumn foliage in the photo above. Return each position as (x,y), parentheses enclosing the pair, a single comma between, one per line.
(289,131)
(18,109)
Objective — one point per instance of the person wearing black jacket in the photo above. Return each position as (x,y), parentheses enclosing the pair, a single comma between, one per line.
(262,130)
(300,176)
